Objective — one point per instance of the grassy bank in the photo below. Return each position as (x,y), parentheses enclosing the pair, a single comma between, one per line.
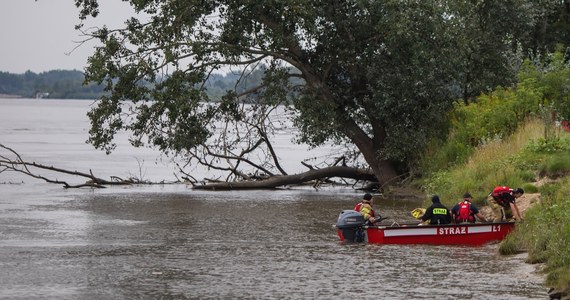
(539,165)
(499,162)
(545,234)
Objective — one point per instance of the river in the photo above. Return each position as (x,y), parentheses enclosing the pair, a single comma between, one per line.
(172,242)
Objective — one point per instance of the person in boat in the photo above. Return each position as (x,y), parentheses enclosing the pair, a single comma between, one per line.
(366,198)
(437,213)
(502,201)
(365,208)
(465,211)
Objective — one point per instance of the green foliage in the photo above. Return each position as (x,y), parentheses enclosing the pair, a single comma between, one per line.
(546,233)
(543,90)
(494,115)
(542,145)
(374,75)
(445,156)
(528,187)
(509,246)
(556,165)
(491,62)
(554,29)
(549,75)
(551,157)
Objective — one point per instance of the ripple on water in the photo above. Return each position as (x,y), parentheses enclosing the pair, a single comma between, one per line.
(259,245)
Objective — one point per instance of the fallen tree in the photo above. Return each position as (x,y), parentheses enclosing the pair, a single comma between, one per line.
(13,161)
(284,180)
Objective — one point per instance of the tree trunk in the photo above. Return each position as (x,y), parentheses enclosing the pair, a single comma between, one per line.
(383,170)
(283,180)
(370,148)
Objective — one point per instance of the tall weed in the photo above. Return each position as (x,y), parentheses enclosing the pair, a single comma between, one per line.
(494,163)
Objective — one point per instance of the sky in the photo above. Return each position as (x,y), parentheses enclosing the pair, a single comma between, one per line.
(38,35)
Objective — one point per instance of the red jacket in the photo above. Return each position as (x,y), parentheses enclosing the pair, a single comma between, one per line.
(503,195)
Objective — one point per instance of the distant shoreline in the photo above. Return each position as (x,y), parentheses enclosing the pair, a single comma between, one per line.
(8,96)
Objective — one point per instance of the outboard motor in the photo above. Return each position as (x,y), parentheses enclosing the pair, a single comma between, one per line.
(349,224)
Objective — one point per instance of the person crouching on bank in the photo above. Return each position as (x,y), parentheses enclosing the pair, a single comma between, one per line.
(502,200)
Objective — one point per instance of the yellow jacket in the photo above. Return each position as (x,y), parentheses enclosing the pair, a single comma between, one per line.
(367,211)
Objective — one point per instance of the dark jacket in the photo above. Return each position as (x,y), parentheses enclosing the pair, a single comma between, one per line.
(437,213)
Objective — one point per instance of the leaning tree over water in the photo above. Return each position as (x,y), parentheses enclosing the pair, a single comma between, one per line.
(375,76)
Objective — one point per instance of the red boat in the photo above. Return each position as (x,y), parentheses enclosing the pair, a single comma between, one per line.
(351,228)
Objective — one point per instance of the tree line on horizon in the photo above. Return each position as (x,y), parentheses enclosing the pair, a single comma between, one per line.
(70,84)
(56,84)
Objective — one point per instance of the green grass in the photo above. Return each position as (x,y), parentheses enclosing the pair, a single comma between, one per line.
(520,160)
(545,234)
(495,163)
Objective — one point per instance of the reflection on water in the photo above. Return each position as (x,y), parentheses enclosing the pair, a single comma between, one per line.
(169,242)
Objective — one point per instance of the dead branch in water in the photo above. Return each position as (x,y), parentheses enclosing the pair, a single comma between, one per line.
(17,164)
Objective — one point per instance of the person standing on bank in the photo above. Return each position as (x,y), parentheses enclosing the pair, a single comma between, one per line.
(465,211)
(437,213)
(365,208)
(502,200)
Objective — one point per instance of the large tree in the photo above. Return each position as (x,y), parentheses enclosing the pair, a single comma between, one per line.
(374,75)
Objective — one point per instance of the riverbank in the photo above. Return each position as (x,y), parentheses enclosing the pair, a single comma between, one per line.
(514,246)
(544,236)
(8,96)
(541,167)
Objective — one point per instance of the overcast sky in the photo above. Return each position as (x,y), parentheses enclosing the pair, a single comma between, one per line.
(38,35)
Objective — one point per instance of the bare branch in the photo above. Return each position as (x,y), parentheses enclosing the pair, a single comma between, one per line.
(17,164)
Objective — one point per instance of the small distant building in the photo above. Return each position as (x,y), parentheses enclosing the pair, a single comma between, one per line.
(42,95)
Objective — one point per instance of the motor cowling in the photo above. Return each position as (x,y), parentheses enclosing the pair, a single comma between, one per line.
(349,219)
(350,226)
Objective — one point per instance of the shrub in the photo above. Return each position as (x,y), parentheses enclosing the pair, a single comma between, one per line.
(530,188)
(556,166)
(509,246)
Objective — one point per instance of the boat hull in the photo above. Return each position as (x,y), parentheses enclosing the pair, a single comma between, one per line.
(453,234)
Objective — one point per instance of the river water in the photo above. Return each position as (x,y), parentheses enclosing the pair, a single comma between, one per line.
(171,242)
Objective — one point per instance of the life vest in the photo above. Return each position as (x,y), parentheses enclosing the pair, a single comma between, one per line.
(359,205)
(464,214)
(366,211)
(503,195)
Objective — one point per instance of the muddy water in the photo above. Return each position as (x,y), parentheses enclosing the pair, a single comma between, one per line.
(169,242)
